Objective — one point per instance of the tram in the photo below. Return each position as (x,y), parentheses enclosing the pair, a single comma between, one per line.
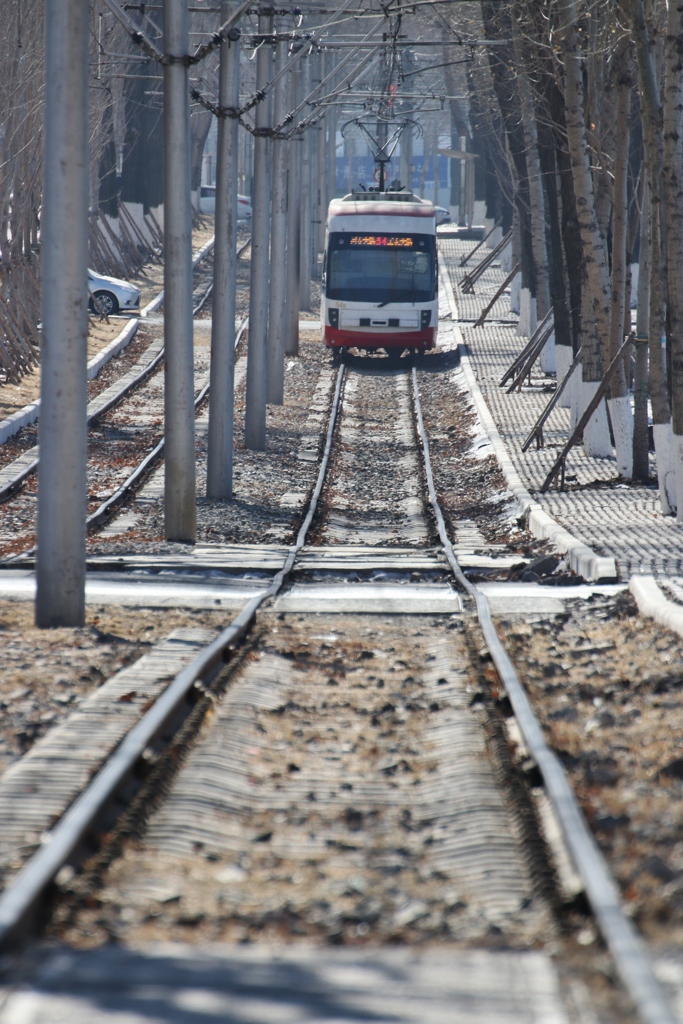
(379,287)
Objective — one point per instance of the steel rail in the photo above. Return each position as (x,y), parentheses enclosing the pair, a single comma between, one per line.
(101,514)
(8,489)
(18,899)
(622,938)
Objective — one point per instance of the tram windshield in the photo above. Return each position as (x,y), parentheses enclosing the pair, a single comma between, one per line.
(381,268)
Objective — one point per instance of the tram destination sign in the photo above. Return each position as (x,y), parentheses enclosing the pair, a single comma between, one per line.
(383,241)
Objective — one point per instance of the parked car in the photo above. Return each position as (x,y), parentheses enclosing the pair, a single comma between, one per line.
(112,295)
(207,202)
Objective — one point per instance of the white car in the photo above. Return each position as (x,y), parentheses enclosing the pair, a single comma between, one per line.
(207,202)
(112,295)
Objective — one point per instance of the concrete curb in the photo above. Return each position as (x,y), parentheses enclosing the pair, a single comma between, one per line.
(22,418)
(582,559)
(113,348)
(29,414)
(653,603)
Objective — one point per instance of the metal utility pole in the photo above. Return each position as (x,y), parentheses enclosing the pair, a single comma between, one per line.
(406,173)
(324,65)
(294,229)
(331,191)
(60,565)
(255,413)
(180,498)
(221,393)
(305,237)
(278,243)
(464,175)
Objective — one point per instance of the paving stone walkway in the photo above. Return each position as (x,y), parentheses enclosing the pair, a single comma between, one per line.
(616,519)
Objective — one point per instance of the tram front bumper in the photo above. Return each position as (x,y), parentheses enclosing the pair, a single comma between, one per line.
(385,337)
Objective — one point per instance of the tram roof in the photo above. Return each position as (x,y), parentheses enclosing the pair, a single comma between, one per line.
(381,204)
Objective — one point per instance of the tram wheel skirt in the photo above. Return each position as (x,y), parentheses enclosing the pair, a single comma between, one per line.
(337,338)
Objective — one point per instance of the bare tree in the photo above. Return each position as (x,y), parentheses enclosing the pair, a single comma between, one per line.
(596,437)
(619,401)
(673,194)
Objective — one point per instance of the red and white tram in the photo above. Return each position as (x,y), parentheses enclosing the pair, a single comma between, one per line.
(379,286)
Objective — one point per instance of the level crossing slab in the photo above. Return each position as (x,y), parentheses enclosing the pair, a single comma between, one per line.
(144,592)
(372,598)
(174,983)
(397,595)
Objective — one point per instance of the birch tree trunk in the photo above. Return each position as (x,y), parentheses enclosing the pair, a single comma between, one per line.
(641,445)
(618,400)
(653,136)
(673,195)
(596,439)
(497,21)
(546,96)
(536,198)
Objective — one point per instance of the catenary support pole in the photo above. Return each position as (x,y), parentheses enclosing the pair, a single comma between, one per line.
(221,393)
(324,64)
(60,599)
(277,317)
(316,132)
(255,413)
(406,159)
(305,240)
(464,175)
(331,155)
(180,498)
(294,229)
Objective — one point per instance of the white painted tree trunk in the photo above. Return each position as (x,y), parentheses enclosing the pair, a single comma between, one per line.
(564,357)
(479,215)
(537,210)
(673,194)
(515,293)
(618,399)
(547,358)
(533,315)
(677,451)
(596,439)
(575,389)
(653,155)
(527,314)
(666,471)
(595,256)
(622,427)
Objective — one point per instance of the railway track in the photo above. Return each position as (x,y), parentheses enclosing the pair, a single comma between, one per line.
(140,385)
(351,784)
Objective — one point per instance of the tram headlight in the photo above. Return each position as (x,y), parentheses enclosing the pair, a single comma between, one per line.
(333,316)
(425,318)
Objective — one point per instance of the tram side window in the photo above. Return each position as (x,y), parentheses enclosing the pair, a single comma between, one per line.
(381,273)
